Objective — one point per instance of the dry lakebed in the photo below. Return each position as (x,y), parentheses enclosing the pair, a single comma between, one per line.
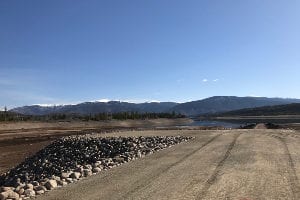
(215,164)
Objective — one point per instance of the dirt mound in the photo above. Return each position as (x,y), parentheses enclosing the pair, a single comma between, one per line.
(261,126)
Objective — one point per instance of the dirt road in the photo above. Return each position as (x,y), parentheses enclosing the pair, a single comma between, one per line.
(237,164)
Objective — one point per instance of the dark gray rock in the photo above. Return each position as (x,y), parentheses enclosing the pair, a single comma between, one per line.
(40,187)
(28,186)
(87,172)
(62,183)
(75,175)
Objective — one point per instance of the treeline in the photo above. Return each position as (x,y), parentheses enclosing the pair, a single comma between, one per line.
(9,116)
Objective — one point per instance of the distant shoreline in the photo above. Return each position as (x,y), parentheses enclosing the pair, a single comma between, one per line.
(285,120)
(261,117)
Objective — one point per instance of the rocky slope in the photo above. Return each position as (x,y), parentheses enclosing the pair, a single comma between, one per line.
(69,159)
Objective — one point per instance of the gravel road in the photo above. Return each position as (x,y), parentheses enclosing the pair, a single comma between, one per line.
(231,164)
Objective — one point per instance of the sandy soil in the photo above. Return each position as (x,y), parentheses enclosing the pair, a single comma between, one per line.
(11,126)
(236,164)
(295,126)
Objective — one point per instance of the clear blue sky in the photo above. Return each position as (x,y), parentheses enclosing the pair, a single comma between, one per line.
(67,51)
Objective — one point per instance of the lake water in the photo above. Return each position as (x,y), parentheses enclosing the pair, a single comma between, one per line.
(215,123)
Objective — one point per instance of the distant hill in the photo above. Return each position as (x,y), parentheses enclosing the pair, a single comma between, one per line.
(289,109)
(215,104)
(227,103)
(97,107)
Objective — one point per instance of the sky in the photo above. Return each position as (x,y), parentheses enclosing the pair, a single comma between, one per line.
(70,51)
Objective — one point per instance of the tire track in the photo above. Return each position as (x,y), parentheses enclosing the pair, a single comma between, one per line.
(144,184)
(213,178)
(292,174)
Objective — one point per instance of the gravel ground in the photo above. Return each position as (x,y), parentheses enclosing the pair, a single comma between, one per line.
(237,164)
(230,164)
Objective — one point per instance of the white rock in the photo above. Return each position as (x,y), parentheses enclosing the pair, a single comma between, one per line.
(9,195)
(69,180)
(96,170)
(5,189)
(65,175)
(21,191)
(40,192)
(28,186)
(29,193)
(51,184)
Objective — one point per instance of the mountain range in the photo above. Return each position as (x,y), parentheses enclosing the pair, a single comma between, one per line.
(214,104)
(97,107)
(287,109)
(228,103)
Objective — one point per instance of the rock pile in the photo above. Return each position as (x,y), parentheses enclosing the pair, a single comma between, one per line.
(69,159)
